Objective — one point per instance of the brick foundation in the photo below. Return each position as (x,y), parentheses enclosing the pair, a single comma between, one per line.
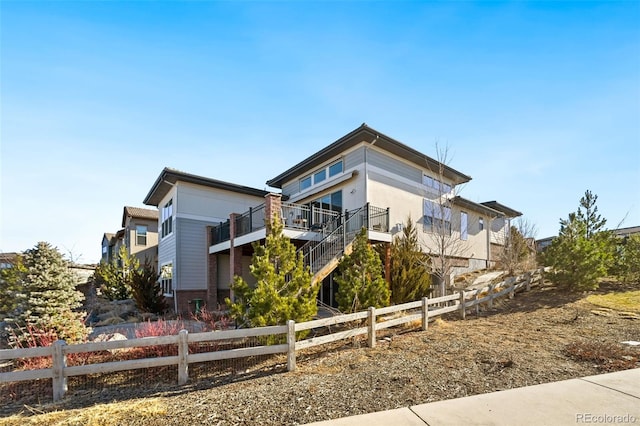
(212,281)
(186,306)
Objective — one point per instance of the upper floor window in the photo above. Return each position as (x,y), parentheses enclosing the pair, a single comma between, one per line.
(305,183)
(480,224)
(335,168)
(167,219)
(435,184)
(141,235)
(321,175)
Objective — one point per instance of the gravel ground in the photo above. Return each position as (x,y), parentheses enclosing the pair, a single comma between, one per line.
(521,342)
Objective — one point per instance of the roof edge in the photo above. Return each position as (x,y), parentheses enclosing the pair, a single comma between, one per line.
(374,135)
(168,177)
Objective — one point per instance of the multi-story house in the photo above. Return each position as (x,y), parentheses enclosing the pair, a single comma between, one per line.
(364,179)
(189,206)
(111,244)
(141,233)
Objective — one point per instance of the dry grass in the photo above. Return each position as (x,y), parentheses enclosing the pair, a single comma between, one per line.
(115,414)
(606,356)
(628,301)
(540,336)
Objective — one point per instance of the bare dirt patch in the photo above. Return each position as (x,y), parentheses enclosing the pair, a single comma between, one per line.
(540,336)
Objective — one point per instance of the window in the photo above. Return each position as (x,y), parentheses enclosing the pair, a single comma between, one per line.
(436,185)
(463,226)
(480,224)
(141,235)
(167,219)
(319,176)
(335,168)
(305,183)
(104,249)
(329,202)
(166,279)
(437,218)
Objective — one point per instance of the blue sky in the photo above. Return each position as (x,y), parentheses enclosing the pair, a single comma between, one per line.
(537,101)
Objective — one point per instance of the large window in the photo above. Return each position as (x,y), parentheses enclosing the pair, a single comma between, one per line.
(166,279)
(167,219)
(436,185)
(331,201)
(141,235)
(321,175)
(437,218)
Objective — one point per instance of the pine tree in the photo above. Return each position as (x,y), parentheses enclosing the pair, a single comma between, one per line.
(49,296)
(114,279)
(410,271)
(360,280)
(627,264)
(515,250)
(10,285)
(283,289)
(583,251)
(594,223)
(146,290)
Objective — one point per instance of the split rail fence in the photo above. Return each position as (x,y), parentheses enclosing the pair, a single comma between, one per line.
(376,320)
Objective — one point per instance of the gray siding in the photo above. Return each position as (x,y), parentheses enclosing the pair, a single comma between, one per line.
(191,254)
(167,249)
(412,189)
(394,166)
(290,188)
(354,158)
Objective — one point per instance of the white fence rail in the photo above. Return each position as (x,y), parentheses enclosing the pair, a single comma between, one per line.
(376,319)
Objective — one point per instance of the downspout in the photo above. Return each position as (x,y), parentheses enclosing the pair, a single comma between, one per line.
(489,241)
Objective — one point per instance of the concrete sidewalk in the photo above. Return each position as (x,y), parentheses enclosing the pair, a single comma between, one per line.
(612,398)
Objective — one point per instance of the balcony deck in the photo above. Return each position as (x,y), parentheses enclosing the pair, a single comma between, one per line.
(300,222)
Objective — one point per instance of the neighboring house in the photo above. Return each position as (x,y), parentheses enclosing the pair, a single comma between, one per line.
(111,244)
(543,243)
(627,232)
(189,206)
(364,179)
(141,233)
(7,260)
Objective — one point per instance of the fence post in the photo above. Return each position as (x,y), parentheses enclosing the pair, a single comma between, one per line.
(425,313)
(528,278)
(490,296)
(291,341)
(183,355)
(372,327)
(475,301)
(463,311)
(513,288)
(59,362)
